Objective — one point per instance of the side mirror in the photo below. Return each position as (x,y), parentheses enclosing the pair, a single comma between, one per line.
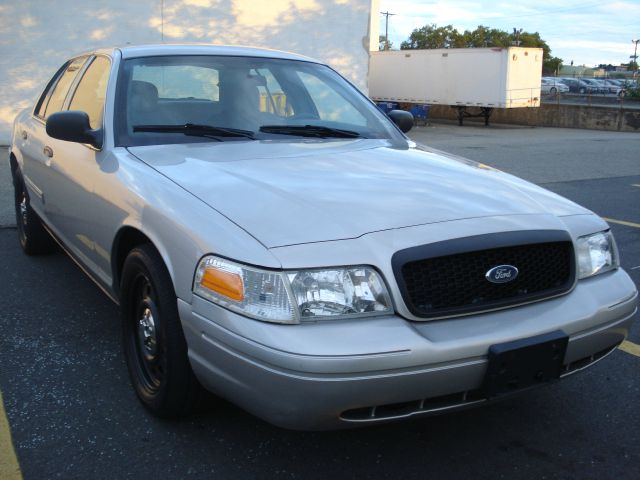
(73,126)
(402,118)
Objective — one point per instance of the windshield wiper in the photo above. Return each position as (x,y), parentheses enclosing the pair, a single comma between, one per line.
(309,131)
(196,130)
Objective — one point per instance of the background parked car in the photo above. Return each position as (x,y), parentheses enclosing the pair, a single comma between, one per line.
(552,86)
(628,84)
(612,86)
(578,86)
(597,86)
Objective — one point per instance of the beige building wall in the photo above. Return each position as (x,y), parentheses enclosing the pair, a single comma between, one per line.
(37,36)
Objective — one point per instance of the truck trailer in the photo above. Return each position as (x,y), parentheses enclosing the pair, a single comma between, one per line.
(485,78)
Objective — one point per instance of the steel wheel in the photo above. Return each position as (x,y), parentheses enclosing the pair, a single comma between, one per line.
(32,236)
(22,219)
(149,350)
(154,343)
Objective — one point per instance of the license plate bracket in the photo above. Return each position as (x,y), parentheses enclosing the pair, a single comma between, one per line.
(524,363)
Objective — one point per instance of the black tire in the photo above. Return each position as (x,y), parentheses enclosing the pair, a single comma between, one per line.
(33,238)
(154,344)
(553,90)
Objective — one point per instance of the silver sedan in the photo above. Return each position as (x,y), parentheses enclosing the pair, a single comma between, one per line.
(272,236)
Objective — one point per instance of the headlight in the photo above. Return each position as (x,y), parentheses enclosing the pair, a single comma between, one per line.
(292,296)
(596,254)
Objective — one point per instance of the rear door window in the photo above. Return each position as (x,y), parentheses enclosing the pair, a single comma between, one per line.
(59,93)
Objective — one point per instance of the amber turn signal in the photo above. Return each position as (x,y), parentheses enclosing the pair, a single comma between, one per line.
(227,284)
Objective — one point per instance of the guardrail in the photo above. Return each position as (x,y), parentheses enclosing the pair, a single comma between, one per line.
(591,99)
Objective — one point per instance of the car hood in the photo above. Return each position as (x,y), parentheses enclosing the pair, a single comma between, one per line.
(293,192)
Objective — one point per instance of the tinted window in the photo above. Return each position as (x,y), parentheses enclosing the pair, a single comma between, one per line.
(90,93)
(56,100)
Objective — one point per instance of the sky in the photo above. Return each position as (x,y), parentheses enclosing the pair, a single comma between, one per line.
(587,32)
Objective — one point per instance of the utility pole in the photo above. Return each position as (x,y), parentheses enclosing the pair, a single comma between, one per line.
(635,56)
(386,29)
(516,35)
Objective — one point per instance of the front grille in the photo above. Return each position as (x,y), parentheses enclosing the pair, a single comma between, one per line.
(456,284)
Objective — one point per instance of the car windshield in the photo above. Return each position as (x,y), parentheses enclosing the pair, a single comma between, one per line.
(185,99)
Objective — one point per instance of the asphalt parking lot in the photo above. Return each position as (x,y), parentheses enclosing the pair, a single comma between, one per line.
(72,413)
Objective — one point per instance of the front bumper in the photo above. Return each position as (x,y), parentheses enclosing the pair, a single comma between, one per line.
(342,373)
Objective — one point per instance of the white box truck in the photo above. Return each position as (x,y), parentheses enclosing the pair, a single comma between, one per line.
(486,78)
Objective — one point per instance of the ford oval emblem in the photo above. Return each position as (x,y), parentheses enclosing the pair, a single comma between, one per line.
(502,274)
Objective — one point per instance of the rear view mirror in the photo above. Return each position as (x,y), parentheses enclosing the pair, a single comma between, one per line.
(73,126)
(402,118)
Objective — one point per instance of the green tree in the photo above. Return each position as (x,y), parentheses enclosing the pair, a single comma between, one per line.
(383,44)
(432,36)
(485,37)
(551,65)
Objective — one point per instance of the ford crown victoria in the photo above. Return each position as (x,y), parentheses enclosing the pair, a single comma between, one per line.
(273,237)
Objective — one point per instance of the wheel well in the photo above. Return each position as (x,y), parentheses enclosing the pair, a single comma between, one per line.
(126,240)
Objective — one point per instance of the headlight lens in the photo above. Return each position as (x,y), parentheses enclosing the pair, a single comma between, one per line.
(292,296)
(596,254)
(340,292)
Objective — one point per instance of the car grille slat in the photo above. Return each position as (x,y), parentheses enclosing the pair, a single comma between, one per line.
(456,284)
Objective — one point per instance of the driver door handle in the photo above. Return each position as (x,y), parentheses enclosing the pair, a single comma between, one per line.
(47,151)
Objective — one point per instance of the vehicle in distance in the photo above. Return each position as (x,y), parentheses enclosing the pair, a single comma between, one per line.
(271,235)
(551,86)
(597,86)
(578,86)
(612,87)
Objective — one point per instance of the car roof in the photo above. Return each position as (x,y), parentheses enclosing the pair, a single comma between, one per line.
(154,50)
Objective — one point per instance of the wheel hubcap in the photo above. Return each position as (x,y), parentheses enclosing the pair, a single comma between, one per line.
(23,210)
(147,334)
(147,341)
